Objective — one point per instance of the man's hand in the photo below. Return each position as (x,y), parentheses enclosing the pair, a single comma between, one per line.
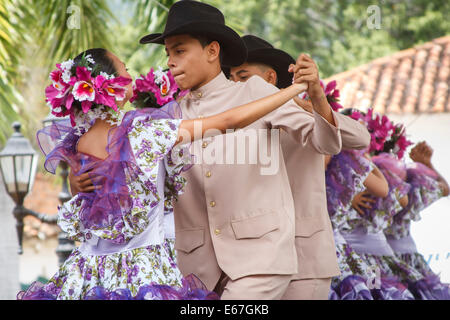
(81,183)
(305,70)
(422,153)
(362,200)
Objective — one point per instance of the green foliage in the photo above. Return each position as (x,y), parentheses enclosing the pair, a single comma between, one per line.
(340,34)
(72,25)
(149,16)
(8,73)
(34,35)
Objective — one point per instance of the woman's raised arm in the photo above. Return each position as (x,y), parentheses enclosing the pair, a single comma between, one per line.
(238,117)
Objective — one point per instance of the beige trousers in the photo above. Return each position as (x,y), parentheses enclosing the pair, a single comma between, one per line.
(256,287)
(308,289)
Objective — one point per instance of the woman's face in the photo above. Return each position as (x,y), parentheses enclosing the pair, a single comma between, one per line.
(122,72)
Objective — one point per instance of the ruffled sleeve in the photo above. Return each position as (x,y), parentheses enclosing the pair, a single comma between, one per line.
(395,172)
(345,176)
(380,216)
(153,134)
(58,143)
(153,140)
(425,190)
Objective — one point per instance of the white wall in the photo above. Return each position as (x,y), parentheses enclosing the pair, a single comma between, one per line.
(9,259)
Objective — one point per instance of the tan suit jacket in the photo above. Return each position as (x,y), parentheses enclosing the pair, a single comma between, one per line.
(314,239)
(233,218)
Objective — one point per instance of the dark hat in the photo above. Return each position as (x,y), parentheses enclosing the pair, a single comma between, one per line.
(261,51)
(193,17)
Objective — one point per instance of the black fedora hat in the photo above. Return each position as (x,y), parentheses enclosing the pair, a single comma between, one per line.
(193,17)
(261,51)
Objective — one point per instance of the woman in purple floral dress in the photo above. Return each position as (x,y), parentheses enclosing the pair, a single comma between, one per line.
(349,174)
(368,223)
(358,227)
(366,235)
(137,159)
(345,176)
(426,186)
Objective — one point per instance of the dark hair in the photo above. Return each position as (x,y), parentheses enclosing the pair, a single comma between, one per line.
(103,63)
(102,60)
(206,40)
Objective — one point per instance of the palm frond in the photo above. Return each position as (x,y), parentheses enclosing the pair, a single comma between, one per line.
(9,57)
(34,35)
(73,26)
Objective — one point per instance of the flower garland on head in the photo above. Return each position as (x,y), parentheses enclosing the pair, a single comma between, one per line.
(155,89)
(398,142)
(84,93)
(331,93)
(385,135)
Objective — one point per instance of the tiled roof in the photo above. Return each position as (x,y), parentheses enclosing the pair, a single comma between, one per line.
(415,80)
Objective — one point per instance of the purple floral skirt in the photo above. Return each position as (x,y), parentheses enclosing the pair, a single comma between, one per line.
(148,273)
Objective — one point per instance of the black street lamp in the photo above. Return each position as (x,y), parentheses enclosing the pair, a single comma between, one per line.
(18,163)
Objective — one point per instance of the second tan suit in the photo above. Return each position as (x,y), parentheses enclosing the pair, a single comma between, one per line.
(314,241)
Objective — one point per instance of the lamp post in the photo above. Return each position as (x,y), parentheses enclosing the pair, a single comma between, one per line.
(18,163)
(65,246)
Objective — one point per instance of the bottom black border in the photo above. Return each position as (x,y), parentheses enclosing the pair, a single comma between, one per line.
(233,310)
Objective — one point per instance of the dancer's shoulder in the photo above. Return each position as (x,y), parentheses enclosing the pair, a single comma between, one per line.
(256,87)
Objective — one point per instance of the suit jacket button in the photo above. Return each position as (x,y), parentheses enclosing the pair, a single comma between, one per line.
(208,174)
(212,204)
(204,144)
(217,232)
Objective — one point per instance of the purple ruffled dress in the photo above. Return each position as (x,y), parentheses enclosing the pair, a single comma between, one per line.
(123,253)
(425,190)
(361,278)
(369,240)
(344,176)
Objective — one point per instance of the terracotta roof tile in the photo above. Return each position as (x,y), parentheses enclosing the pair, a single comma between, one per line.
(415,80)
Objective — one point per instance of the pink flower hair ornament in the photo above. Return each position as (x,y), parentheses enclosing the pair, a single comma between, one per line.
(82,87)
(155,89)
(386,136)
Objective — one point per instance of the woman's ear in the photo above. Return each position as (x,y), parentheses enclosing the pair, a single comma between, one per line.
(213,51)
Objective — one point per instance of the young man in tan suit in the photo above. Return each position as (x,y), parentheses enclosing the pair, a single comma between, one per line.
(235,223)
(317,262)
